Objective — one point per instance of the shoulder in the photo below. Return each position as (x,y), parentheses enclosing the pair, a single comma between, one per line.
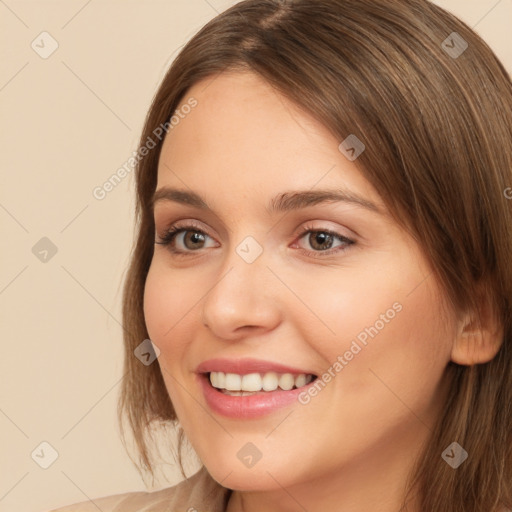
(200,491)
(106,504)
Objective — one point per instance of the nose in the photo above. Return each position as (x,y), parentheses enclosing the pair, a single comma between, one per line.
(243,300)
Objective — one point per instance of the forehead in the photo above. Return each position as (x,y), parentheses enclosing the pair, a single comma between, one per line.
(240,114)
(246,138)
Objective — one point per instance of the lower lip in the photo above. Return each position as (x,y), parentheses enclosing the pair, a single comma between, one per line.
(251,406)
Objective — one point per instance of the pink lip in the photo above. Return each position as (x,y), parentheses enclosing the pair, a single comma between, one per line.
(252,406)
(245,366)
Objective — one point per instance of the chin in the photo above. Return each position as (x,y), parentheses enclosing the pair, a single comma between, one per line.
(245,479)
(231,465)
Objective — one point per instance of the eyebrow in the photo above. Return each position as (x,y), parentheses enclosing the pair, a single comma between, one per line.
(286,201)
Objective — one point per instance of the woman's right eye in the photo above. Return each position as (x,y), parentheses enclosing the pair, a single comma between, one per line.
(189,237)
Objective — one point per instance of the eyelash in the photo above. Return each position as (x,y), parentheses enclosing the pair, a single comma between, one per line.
(171,233)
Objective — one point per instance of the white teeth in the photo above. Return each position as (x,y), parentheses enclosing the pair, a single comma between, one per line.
(251,382)
(235,384)
(300,380)
(286,381)
(270,381)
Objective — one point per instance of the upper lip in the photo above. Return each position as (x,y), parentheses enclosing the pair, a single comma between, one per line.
(247,365)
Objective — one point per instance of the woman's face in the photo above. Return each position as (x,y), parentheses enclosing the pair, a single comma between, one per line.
(257,286)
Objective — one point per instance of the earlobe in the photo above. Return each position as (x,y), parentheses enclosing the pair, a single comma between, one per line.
(478,339)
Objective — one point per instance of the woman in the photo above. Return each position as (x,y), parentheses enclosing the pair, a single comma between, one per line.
(322,264)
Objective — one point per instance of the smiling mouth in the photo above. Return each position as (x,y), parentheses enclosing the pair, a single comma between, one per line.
(234,384)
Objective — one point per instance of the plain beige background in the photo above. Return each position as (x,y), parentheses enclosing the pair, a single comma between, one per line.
(69,122)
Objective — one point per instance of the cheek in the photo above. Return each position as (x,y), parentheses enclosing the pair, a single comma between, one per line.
(402,361)
(384,321)
(170,315)
(168,302)
(156,305)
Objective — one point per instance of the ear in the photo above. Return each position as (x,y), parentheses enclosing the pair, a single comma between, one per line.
(479,336)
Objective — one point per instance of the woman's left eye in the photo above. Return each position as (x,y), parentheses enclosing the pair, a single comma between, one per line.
(191,239)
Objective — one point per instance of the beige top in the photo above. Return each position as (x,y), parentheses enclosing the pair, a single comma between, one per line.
(199,493)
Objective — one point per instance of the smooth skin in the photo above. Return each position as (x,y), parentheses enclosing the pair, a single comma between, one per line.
(299,303)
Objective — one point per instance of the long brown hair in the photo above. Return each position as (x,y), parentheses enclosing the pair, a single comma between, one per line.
(437,126)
